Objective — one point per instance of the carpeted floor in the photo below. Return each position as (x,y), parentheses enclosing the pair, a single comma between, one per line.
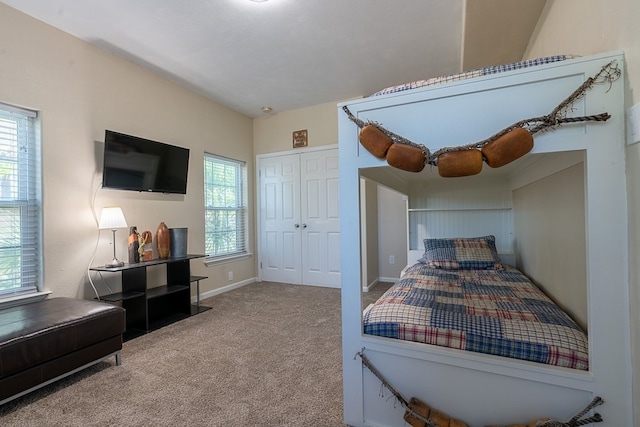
(266,354)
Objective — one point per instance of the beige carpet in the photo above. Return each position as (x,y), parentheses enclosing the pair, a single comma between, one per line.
(267,354)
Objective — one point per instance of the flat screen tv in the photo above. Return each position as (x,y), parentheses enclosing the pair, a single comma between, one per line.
(138,164)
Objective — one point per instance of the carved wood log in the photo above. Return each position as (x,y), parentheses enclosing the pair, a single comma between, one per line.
(148,247)
(134,255)
(375,141)
(509,147)
(440,419)
(459,163)
(406,157)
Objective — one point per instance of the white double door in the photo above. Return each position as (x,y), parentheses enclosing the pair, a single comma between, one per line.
(300,218)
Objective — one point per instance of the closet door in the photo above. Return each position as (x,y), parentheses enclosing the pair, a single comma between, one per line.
(320,216)
(300,218)
(280,241)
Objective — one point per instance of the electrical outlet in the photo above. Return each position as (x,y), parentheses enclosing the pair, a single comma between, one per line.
(230,275)
(392,259)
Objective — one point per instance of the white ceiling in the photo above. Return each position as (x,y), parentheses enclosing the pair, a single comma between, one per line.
(290,54)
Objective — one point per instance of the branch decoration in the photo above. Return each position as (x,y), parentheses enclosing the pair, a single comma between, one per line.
(497,150)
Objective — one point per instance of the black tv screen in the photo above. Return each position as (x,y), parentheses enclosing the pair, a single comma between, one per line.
(138,164)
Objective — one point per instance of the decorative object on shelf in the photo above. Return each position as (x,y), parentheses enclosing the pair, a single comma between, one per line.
(300,138)
(112,218)
(178,242)
(498,150)
(163,242)
(146,248)
(133,245)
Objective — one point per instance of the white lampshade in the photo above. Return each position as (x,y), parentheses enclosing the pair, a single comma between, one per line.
(112,218)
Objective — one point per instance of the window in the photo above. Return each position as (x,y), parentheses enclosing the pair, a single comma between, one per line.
(20,248)
(225,205)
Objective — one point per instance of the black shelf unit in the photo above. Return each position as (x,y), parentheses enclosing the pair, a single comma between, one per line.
(149,308)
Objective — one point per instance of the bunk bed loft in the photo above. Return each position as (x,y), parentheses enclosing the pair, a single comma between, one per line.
(472,386)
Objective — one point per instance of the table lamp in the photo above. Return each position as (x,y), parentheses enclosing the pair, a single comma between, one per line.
(112,218)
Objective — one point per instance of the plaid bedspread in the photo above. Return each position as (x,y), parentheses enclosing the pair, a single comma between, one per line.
(499,312)
(472,73)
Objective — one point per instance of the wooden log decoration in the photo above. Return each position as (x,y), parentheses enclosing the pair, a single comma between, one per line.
(459,163)
(507,148)
(133,245)
(437,418)
(406,157)
(375,141)
(162,241)
(148,247)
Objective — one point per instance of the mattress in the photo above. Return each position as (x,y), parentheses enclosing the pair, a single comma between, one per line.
(473,73)
(498,312)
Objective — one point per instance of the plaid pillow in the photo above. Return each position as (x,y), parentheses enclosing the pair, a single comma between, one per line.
(476,253)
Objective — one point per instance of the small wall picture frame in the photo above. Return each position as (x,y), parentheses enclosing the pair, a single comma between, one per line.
(300,138)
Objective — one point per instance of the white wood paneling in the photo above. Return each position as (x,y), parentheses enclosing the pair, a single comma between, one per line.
(464,207)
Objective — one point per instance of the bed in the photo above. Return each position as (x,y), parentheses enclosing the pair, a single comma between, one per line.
(478,388)
(478,72)
(459,295)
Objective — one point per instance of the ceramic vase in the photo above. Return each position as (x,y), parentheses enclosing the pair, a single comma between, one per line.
(178,242)
(163,241)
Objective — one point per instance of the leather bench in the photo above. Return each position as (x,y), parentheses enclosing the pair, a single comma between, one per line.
(47,340)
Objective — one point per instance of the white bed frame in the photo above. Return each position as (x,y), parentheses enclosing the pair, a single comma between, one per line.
(481,389)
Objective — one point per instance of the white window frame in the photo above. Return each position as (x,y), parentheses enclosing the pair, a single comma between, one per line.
(21,190)
(237,204)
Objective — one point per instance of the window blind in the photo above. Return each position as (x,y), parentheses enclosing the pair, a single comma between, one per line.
(225,203)
(20,212)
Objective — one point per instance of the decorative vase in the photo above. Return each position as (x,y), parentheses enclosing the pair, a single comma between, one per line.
(163,241)
(134,255)
(178,242)
(146,247)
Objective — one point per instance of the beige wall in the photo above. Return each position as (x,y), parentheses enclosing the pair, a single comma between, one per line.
(585,27)
(549,224)
(274,132)
(392,232)
(80,91)
(369,230)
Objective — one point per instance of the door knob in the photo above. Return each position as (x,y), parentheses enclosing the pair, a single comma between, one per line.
(304,225)
(296,225)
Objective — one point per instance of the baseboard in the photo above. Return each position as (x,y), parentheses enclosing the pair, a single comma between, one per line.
(223,289)
(388,279)
(370,286)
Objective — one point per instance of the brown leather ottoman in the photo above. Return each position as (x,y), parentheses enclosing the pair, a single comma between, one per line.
(47,340)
